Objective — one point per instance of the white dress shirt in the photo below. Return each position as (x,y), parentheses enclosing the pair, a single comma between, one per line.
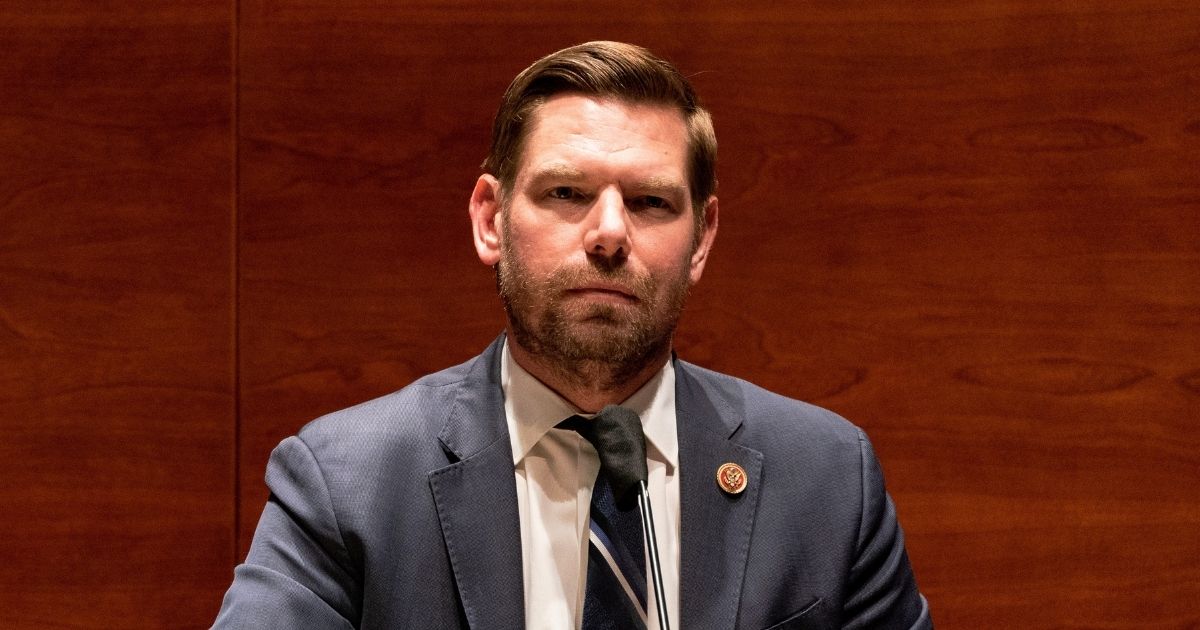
(555,470)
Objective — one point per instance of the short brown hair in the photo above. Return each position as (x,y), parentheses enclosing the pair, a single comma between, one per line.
(605,69)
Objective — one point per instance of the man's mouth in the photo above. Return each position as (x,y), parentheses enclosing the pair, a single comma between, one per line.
(607,292)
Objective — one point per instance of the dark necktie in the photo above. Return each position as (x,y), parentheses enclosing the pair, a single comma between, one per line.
(615,595)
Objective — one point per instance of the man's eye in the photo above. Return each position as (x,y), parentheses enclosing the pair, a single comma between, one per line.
(655,202)
(562,192)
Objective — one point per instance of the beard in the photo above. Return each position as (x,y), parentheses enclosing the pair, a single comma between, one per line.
(606,342)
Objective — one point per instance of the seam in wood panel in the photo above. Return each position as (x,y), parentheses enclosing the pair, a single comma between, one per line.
(235,273)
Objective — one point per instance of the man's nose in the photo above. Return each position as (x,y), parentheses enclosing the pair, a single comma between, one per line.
(608,231)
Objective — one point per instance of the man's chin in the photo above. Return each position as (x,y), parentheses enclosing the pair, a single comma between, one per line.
(597,339)
(618,344)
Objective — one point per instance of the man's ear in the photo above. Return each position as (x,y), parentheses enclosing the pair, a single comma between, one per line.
(705,241)
(485,214)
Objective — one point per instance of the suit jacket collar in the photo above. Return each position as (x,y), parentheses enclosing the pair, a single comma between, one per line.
(477,504)
(476,500)
(715,527)
(476,419)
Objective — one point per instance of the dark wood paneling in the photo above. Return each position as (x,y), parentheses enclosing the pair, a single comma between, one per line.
(975,231)
(970,227)
(361,135)
(116,399)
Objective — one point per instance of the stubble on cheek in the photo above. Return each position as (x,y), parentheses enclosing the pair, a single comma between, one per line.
(597,339)
(546,321)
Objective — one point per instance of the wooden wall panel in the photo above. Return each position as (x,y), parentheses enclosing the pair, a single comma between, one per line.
(116,391)
(360,140)
(970,227)
(975,231)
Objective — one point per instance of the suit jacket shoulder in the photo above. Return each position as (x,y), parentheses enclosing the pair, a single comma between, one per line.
(399,422)
(355,531)
(762,406)
(826,546)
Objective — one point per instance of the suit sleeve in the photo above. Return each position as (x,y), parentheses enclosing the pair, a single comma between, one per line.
(882,592)
(298,573)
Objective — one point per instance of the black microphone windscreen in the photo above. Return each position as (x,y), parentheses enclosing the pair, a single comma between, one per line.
(616,432)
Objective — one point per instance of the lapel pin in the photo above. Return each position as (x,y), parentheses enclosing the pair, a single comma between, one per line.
(731,478)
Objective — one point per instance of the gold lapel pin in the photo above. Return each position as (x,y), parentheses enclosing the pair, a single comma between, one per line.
(731,478)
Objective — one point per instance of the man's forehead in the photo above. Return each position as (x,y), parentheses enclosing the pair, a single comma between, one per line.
(568,105)
(583,122)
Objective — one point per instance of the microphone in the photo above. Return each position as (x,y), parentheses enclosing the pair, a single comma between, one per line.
(616,433)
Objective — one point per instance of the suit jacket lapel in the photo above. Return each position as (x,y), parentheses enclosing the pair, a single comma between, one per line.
(476,500)
(715,528)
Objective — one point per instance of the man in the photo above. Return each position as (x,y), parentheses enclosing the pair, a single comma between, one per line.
(460,501)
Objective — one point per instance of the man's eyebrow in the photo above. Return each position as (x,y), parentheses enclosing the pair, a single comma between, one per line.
(559,172)
(564,173)
(659,185)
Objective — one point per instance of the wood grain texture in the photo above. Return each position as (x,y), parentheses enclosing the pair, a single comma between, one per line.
(990,218)
(970,227)
(116,399)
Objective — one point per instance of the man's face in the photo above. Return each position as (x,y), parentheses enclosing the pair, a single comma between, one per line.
(597,241)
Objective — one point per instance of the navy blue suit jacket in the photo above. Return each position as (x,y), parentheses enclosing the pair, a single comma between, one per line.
(402,513)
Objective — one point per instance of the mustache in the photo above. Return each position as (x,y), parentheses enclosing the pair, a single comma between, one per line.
(603,271)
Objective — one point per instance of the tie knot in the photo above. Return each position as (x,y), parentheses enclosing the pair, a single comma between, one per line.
(616,434)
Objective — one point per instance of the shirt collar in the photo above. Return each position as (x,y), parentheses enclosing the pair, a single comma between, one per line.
(532,409)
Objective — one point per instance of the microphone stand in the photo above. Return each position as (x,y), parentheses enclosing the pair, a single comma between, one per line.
(651,541)
(616,433)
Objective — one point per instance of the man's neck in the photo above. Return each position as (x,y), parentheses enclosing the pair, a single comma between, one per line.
(589,385)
